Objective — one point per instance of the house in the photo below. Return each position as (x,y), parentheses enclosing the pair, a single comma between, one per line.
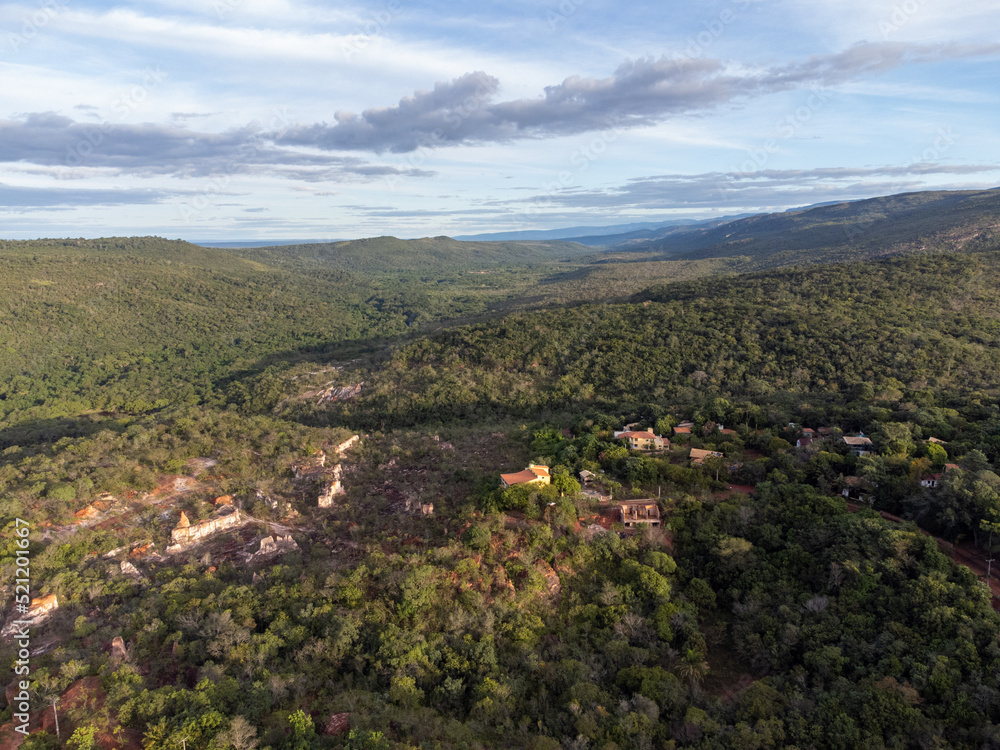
(592,489)
(856,488)
(936,441)
(678,430)
(639,513)
(726,431)
(698,455)
(642,440)
(931,481)
(859,445)
(804,442)
(535,473)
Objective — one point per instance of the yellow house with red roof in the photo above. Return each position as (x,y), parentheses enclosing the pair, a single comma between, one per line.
(534,474)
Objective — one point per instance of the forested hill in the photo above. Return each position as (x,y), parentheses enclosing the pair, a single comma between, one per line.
(135,324)
(906,223)
(390,255)
(929,324)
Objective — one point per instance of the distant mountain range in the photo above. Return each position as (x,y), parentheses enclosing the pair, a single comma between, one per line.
(932,221)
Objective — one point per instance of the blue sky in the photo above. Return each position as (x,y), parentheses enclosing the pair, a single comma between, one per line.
(268,119)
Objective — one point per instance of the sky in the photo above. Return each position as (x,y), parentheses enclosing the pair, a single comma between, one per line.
(247,120)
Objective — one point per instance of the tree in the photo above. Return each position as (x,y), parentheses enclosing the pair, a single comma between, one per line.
(937,454)
(692,668)
(563,481)
(241,735)
(895,439)
(303,731)
(82,739)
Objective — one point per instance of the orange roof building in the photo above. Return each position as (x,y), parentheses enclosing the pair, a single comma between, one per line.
(535,473)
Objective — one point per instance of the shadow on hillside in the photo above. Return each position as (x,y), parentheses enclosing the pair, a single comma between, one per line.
(49,431)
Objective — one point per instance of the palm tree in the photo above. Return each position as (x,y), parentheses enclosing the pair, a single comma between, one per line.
(693,668)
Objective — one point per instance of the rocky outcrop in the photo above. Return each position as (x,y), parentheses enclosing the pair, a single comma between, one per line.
(271,545)
(336,393)
(130,570)
(187,533)
(119,652)
(347,444)
(311,467)
(38,614)
(331,488)
(315,468)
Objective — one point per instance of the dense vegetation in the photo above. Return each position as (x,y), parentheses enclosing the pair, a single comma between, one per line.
(926,326)
(142,378)
(911,222)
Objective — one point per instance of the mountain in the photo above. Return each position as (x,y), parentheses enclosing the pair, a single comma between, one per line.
(572,232)
(259,494)
(940,221)
(391,255)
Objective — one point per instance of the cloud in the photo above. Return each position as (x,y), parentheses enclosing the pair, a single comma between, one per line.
(32,197)
(52,140)
(764,188)
(641,92)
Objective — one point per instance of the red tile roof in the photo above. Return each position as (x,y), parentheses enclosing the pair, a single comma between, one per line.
(521,477)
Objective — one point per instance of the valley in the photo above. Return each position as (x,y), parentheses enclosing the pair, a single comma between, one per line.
(765,459)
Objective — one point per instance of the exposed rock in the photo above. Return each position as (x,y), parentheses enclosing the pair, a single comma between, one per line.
(118,651)
(427,509)
(130,570)
(270,545)
(223,500)
(331,488)
(186,533)
(38,614)
(310,467)
(552,582)
(198,465)
(337,724)
(338,393)
(183,484)
(349,443)
(87,514)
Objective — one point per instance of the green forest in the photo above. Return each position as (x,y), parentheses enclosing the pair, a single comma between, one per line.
(796,592)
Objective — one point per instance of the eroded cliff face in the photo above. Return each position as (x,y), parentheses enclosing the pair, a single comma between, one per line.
(38,614)
(187,533)
(315,468)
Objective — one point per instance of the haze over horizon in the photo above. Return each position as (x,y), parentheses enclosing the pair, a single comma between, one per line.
(269,119)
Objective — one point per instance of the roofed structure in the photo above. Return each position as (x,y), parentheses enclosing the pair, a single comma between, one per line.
(698,455)
(535,473)
(639,513)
